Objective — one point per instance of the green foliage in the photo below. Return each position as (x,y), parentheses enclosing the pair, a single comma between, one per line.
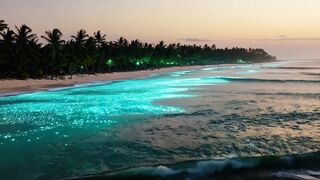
(21,56)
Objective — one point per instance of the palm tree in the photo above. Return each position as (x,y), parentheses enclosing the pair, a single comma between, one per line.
(7,51)
(90,55)
(53,47)
(158,54)
(122,42)
(120,54)
(79,43)
(25,42)
(8,36)
(54,37)
(100,40)
(24,34)
(81,37)
(3,25)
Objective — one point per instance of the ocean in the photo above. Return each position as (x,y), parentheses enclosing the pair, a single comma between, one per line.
(249,121)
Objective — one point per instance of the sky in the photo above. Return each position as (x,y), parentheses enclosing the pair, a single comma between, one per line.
(289,29)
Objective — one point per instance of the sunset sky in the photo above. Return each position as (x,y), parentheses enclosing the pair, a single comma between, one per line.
(285,28)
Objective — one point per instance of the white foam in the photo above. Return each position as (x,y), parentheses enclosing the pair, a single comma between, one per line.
(164,171)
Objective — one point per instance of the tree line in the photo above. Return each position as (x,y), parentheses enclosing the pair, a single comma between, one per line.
(22,56)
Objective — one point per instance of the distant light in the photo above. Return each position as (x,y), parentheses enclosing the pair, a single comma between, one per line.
(139,62)
(109,62)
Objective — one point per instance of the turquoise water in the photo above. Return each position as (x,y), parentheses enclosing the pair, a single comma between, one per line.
(58,116)
(29,117)
(94,127)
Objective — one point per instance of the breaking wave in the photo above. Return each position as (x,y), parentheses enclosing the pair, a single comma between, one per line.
(239,79)
(266,167)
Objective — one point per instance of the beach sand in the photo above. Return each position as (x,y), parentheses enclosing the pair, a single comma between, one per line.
(13,86)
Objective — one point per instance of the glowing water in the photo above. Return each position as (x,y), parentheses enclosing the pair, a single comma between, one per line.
(46,128)
(92,106)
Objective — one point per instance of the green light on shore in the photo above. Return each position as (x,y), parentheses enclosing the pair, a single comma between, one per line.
(139,62)
(171,63)
(109,62)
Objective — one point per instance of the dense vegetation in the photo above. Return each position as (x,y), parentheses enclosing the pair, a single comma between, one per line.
(22,56)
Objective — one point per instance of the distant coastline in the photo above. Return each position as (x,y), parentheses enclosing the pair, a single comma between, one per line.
(27,65)
(23,57)
(16,86)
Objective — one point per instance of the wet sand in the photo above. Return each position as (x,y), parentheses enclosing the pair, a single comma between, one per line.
(13,86)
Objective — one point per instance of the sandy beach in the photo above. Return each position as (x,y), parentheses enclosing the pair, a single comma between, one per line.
(14,86)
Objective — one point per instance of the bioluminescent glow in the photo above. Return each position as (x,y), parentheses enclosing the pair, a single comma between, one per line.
(103,126)
(179,73)
(99,105)
(92,105)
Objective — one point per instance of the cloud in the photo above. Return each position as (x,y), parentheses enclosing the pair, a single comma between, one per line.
(195,40)
(276,38)
(286,38)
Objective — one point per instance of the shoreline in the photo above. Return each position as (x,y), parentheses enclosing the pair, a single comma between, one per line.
(15,87)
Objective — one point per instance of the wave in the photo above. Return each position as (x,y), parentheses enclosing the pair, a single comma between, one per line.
(265,167)
(239,79)
(206,112)
(298,68)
